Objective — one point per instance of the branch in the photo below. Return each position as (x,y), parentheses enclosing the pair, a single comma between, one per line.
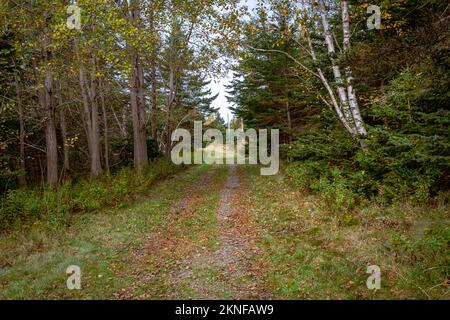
(303,47)
(337,43)
(325,101)
(35,147)
(289,56)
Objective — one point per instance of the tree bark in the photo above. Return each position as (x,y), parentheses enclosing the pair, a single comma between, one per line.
(22,177)
(50,130)
(353,100)
(169,102)
(171,95)
(137,97)
(90,118)
(344,102)
(105,126)
(63,127)
(154,101)
(153,83)
(327,86)
(66,154)
(96,164)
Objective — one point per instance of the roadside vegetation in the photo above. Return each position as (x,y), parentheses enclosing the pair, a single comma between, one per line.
(23,207)
(89,105)
(33,259)
(318,247)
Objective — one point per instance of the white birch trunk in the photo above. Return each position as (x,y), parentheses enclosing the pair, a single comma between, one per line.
(344,101)
(353,100)
(327,86)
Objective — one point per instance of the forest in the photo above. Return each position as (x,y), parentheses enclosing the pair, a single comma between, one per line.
(92,91)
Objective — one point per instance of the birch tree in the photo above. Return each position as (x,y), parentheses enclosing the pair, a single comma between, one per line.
(347,108)
(345,102)
(348,98)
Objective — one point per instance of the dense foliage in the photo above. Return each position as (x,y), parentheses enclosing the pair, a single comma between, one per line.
(23,206)
(107,96)
(79,102)
(401,74)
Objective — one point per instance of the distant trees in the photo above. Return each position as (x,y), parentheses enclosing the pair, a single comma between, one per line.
(338,72)
(115,87)
(267,89)
(313,39)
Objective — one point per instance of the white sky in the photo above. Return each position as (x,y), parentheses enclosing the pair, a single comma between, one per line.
(218,86)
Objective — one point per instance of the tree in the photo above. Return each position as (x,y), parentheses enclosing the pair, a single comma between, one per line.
(137,92)
(346,105)
(266,88)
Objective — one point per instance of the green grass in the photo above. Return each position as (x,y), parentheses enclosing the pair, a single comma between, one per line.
(308,250)
(23,207)
(33,261)
(314,253)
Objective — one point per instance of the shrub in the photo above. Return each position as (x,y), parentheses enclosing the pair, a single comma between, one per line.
(21,205)
(26,205)
(303,174)
(334,189)
(408,156)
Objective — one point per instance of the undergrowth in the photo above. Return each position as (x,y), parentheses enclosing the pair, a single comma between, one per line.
(21,207)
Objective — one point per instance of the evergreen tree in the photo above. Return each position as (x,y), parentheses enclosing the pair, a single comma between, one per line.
(268,90)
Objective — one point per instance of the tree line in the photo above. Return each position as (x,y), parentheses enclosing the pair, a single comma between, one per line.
(359,108)
(371,103)
(103,95)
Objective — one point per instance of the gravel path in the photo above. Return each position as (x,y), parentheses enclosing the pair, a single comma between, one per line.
(225,273)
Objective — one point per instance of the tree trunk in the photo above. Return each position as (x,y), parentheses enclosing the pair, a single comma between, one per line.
(153,83)
(344,103)
(105,126)
(90,118)
(154,101)
(50,130)
(169,101)
(96,165)
(137,110)
(170,98)
(353,100)
(22,177)
(63,127)
(86,110)
(327,86)
(137,98)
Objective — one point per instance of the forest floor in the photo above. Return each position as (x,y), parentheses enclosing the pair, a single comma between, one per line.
(224,232)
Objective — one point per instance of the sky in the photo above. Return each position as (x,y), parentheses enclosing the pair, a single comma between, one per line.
(218,85)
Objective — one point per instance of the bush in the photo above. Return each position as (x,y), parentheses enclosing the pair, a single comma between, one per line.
(303,174)
(21,205)
(334,189)
(408,157)
(25,205)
